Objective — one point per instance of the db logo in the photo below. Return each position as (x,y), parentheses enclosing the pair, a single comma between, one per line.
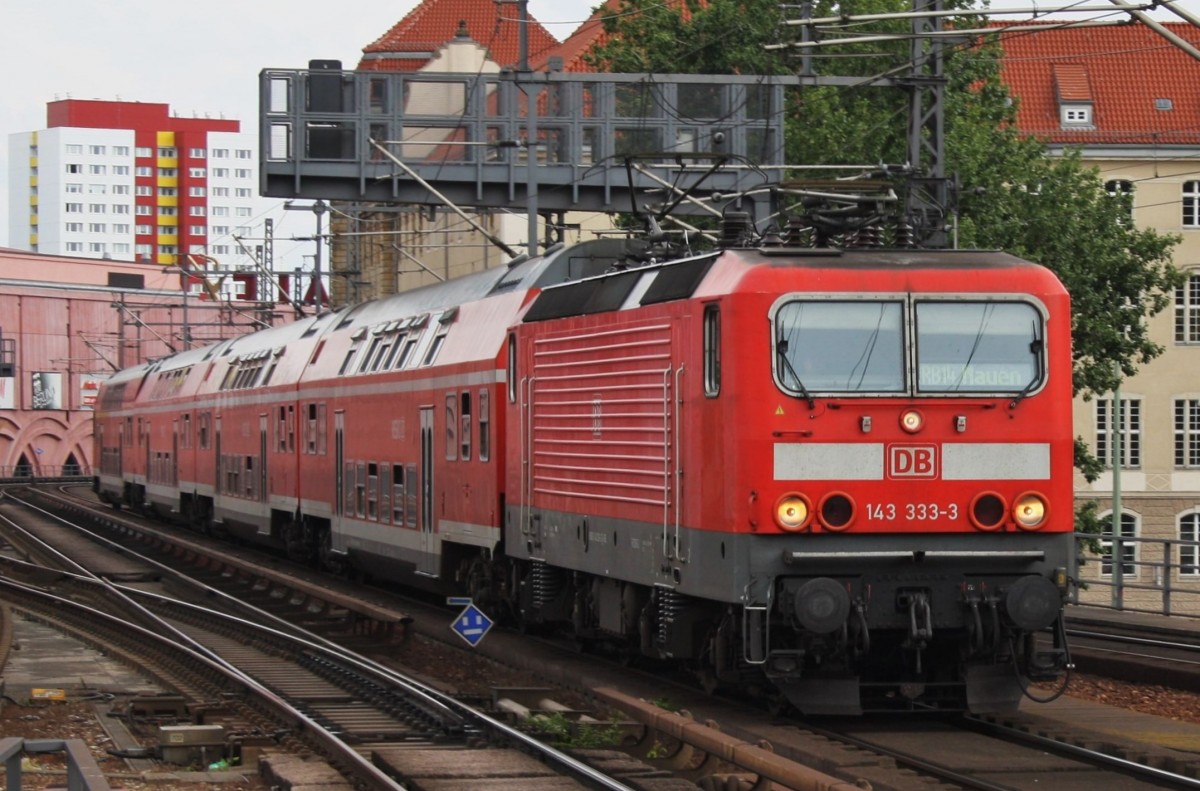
(912,461)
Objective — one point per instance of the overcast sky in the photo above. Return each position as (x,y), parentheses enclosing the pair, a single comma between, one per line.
(200,58)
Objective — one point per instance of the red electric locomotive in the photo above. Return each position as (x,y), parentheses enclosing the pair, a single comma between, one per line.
(843,475)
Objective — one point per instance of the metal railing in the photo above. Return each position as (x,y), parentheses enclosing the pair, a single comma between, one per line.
(27,472)
(83,773)
(1161,570)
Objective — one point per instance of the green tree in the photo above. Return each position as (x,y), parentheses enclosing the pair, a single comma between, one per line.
(1013,195)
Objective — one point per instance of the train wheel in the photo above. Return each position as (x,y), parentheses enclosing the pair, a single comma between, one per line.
(293,537)
(331,561)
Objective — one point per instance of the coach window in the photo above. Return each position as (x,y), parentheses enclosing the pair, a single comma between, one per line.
(712,350)
(398,494)
(839,346)
(978,347)
(360,489)
(451,426)
(411,491)
(310,430)
(465,416)
(372,491)
(512,369)
(185,436)
(281,431)
(485,441)
(204,424)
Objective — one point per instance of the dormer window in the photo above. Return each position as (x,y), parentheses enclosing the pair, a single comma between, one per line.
(1073,90)
(1075,116)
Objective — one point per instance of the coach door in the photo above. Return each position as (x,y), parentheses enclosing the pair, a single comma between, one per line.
(427,563)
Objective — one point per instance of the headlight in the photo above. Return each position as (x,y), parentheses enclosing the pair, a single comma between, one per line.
(987,511)
(912,421)
(792,512)
(1030,511)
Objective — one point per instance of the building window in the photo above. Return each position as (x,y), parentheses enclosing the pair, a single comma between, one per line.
(74,148)
(242,211)
(1187,311)
(74,227)
(97,150)
(74,247)
(220,153)
(1189,555)
(121,228)
(220,173)
(168,192)
(244,153)
(121,151)
(144,190)
(120,189)
(96,247)
(220,192)
(167,152)
(120,208)
(168,211)
(97,189)
(220,230)
(220,211)
(97,227)
(243,192)
(144,250)
(196,192)
(74,208)
(1129,427)
(144,170)
(143,229)
(74,168)
(120,170)
(143,151)
(1187,433)
(73,187)
(1191,202)
(1075,115)
(97,208)
(1129,549)
(168,173)
(98,170)
(197,230)
(196,211)
(121,248)
(242,173)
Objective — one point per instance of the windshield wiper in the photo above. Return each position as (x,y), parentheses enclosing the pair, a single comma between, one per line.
(781,347)
(1035,348)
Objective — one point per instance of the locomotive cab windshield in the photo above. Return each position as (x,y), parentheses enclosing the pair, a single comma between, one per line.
(862,347)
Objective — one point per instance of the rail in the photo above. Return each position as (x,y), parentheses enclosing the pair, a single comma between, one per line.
(1159,576)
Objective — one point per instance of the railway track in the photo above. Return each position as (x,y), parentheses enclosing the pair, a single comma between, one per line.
(375,725)
(736,747)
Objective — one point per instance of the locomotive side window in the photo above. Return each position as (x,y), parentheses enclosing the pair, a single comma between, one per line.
(485,444)
(712,350)
(512,369)
(830,346)
(978,347)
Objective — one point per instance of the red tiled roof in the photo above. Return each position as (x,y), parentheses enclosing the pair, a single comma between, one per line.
(592,33)
(1071,82)
(1122,69)
(578,43)
(412,42)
